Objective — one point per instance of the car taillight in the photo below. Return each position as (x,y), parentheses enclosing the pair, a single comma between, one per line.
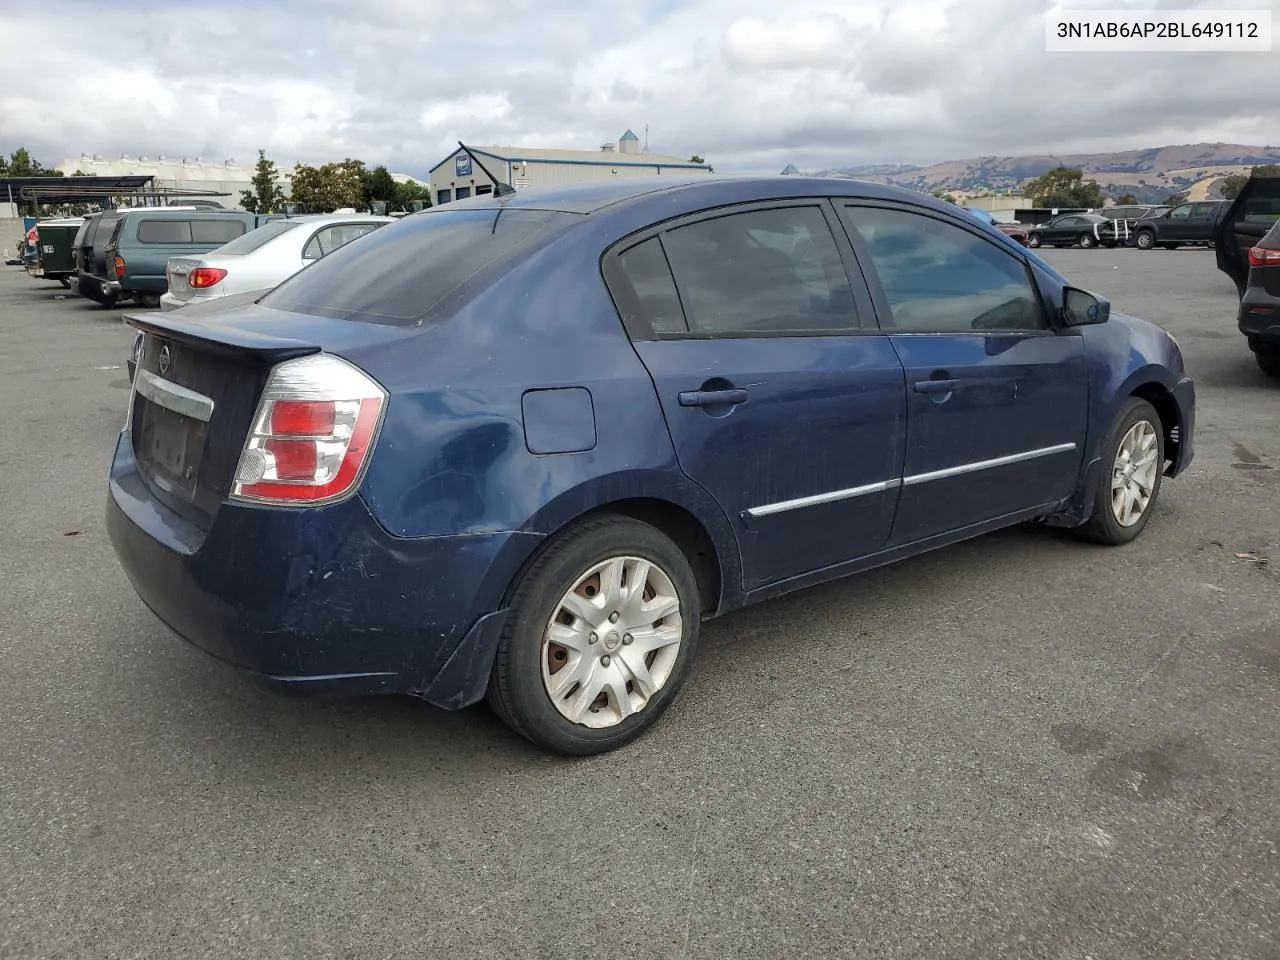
(311,436)
(120,267)
(1262,257)
(203,277)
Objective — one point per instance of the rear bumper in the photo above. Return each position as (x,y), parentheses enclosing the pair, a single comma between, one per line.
(1259,317)
(169,302)
(320,601)
(1184,395)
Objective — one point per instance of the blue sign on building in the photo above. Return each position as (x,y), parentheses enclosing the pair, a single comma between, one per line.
(462,165)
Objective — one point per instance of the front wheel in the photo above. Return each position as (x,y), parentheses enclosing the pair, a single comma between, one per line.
(1129,480)
(1268,357)
(1145,240)
(1087,241)
(599,639)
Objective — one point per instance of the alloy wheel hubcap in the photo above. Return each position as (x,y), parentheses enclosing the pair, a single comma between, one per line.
(1133,477)
(612,642)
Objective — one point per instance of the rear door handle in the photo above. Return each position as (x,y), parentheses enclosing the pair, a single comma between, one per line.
(935,386)
(712,398)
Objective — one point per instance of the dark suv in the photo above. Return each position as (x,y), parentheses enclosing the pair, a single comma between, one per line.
(1184,225)
(1248,248)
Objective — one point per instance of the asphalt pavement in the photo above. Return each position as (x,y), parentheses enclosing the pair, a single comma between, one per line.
(1020,747)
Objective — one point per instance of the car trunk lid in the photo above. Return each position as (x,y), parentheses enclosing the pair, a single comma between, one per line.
(200,375)
(176,272)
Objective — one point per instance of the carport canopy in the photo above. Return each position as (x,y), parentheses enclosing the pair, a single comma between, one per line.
(59,190)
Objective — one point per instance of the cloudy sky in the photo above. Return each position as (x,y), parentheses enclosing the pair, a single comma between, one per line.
(750,84)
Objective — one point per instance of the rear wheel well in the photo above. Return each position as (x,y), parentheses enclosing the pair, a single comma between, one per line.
(687,532)
(684,529)
(1167,410)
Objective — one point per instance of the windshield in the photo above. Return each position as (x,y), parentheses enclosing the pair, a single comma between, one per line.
(399,273)
(248,242)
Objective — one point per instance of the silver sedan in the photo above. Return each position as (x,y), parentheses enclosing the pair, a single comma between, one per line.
(262,258)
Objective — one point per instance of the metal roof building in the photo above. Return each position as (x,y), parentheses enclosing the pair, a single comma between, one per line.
(458,176)
(189,173)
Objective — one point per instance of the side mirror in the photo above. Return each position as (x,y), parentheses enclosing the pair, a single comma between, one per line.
(1081,308)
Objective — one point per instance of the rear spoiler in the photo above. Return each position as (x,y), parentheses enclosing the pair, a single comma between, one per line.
(217,338)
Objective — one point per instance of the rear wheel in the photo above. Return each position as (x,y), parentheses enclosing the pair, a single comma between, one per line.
(1268,357)
(1033,241)
(600,636)
(1129,481)
(149,300)
(1145,240)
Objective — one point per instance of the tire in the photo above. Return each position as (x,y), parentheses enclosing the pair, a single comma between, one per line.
(1145,240)
(149,300)
(1105,526)
(1033,241)
(1169,246)
(1268,357)
(66,284)
(1087,242)
(524,668)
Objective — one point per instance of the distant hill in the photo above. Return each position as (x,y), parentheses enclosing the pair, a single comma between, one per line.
(1159,170)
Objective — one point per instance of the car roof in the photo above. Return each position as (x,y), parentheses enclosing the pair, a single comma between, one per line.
(593,196)
(335,217)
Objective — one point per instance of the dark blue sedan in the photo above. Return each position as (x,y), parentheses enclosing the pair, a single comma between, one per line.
(521,446)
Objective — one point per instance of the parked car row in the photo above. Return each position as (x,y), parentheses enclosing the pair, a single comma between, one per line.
(154,256)
(1188,224)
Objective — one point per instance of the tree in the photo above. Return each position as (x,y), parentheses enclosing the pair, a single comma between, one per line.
(1173,199)
(21,164)
(377,184)
(266,195)
(1063,187)
(696,159)
(940,195)
(407,193)
(1126,199)
(330,187)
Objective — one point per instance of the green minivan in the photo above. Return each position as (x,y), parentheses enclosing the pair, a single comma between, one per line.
(134,254)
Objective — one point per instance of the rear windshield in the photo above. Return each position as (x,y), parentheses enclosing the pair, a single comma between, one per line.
(252,240)
(190,231)
(397,274)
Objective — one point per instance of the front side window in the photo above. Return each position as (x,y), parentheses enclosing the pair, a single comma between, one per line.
(1179,213)
(761,272)
(940,278)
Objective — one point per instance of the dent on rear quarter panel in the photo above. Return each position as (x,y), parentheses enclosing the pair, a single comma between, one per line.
(457,455)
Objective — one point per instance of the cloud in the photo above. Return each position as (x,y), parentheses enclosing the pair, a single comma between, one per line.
(750,84)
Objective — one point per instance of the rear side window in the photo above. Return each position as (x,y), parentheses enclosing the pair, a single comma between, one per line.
(1202,211)
(940,278)
(248,242)
(216,231)
(400,272)
(651,297)
(164,231)
(761,272)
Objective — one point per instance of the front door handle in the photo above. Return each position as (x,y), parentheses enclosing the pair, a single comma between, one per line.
(712,398)
(935,386)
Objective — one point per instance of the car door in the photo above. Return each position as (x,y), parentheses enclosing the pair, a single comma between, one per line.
(783,399)
(1065,229)
(1200,223)
(997,397)
(1174,227)
(1243,224)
